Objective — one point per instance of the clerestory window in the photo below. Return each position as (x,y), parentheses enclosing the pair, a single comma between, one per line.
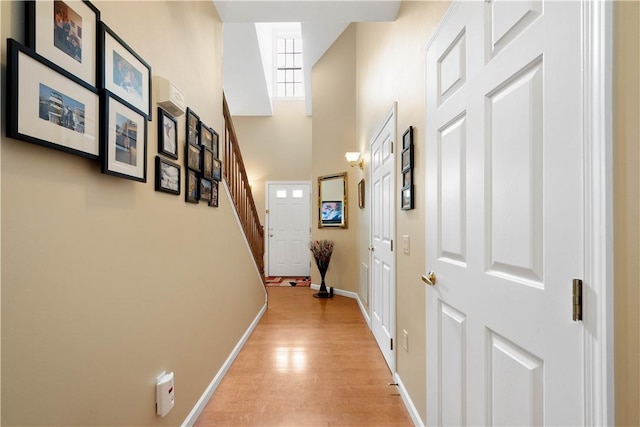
(289,81)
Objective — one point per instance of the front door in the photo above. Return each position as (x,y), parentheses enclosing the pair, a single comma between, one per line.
(505,215)
(288,229)
(383,274)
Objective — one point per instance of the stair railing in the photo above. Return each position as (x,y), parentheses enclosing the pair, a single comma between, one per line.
(236,177)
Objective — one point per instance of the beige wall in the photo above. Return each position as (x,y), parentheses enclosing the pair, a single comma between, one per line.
(275,148)
(627,211)
(391,67)
(334,133)
(105,282)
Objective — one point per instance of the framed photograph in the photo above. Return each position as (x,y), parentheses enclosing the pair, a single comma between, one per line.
(207,163)
(48,106)
(407,178)
(167,134)
(407,159)
(406,202)
(124,140)
(216,148)
(214,194)
(191,194)
(193,157)
(205,190)
(123,72)
(193,127)
(361,194)
(217,170)
(66,33)
(167,176)
(407,138)
(206,136)
(331,212)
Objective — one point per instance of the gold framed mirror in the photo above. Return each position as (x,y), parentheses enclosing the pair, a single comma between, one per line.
(332,201)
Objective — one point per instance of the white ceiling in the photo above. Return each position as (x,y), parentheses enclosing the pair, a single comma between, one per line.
(322,22)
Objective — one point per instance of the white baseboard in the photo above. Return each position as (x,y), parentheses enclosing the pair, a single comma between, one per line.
(349,294)
(364,313)
(204,399)
(413,412)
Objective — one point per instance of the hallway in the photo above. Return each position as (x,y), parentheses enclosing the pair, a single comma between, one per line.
(309,362)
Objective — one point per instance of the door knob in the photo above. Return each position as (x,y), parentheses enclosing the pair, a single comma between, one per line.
(270,235)
(430,278)
(371,248)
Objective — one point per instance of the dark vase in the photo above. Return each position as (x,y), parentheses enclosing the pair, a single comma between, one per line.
(323,287)
(323,293)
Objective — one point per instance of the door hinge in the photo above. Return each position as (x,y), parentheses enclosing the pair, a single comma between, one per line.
(391,344)
(267,210)
(577,300)
(392,245)
(391,147)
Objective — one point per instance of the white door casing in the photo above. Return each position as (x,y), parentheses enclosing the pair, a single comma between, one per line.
(288,233)
(382,235)
(505,224)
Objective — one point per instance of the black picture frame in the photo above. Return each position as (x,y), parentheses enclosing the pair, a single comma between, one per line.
(406,198)
(193,157)
(122,139)
(191,187)
(207,163)
(205,190)
(167,134)
(217,170)
(193,127)
(215,194)
(216,144)
(51,30)
(407,159)
(206,136)
(123,72)
(361,194)
(407,138)
(167,176)
(45,119)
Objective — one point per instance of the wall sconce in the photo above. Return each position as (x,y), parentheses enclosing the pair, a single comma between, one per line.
(354,159)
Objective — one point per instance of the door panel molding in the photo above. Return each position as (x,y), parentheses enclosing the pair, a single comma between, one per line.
(597,166)
(269,223)
(382,232)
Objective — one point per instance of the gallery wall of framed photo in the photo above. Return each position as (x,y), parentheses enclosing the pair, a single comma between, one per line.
(406,191)
(77,86)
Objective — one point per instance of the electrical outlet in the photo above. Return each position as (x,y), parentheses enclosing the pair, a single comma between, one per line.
(405,340)
(405,244)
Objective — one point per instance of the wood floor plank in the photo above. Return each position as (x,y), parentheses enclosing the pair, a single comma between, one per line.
(309,362)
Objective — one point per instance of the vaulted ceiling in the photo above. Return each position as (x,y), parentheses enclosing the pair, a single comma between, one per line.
(322,22)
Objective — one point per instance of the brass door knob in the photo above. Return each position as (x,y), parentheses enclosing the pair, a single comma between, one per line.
(430,278)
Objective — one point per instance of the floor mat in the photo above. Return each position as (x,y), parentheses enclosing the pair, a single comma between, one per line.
(287,281)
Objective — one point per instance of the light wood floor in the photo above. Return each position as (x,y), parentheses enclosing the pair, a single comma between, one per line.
(309,362)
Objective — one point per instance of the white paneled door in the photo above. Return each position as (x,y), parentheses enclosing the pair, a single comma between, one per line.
(505,215)
(383,202)
(288,229)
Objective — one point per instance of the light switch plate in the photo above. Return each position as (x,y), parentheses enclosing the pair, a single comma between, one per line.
(405,244)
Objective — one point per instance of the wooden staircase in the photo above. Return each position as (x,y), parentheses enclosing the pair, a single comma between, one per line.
(235,175)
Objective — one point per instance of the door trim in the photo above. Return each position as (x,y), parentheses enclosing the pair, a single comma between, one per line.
(389,117)
(266,217)
(598,203)
(597,34)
